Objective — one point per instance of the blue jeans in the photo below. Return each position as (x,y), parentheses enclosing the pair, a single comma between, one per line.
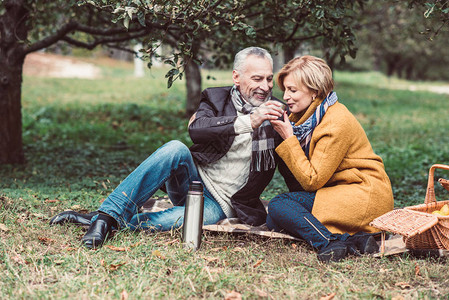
(292,212)
(171,165)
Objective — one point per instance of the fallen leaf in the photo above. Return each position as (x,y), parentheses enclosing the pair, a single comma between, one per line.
(261,293)
(104,185)
(398,297)
(45,240)
(267,279)
(258,263)
(211,259)
(114,248)
(211,279)
(52,200)
(114,267)
(403,285)
(158,254)
(294,246)
(3,227)
(70,248)
(76,207)
(417,270)
(124,295)
(102,262)
(328,296)
(216,270)
(38,215)
(171,242)
(233,296)
(218,249)
(238,249)
(18,259)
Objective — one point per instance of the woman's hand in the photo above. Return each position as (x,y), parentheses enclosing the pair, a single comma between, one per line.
(283,127)
(269,110)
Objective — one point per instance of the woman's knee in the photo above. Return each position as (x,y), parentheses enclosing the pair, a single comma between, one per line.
(276,203)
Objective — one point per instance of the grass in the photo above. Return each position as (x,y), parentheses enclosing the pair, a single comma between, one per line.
(83,136)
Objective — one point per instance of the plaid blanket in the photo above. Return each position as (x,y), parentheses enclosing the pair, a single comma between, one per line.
(393,245)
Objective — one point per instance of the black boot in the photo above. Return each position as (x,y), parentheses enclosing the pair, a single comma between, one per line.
(362,243)
(335,251)
(99,231)
(74,217)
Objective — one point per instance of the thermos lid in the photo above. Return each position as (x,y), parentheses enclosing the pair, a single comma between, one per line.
(196,186)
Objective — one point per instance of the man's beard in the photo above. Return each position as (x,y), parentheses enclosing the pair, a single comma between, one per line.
(256,102)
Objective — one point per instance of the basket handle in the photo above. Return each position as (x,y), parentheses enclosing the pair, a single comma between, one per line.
(430,193)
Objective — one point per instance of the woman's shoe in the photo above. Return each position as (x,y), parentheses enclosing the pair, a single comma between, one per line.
(71,216)
(362,243)
(335,251)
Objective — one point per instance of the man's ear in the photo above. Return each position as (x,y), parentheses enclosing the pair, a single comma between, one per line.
(236,77)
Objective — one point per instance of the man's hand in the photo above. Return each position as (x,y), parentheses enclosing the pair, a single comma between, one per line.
(283,127)
(270,110)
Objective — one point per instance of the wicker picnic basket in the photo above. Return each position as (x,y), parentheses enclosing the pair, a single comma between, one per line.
(421,229)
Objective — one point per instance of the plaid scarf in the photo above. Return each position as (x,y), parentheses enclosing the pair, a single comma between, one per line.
(304,131)
(262,156)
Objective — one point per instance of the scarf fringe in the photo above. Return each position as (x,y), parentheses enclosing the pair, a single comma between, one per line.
(263,160)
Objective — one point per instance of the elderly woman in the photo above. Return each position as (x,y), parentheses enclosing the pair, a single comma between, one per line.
(337,184)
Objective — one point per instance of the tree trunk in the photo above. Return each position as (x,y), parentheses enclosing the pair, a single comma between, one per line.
(193,85)
(11,149)
(13,33)
(289,53)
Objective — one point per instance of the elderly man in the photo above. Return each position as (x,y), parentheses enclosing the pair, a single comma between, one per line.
(232,155)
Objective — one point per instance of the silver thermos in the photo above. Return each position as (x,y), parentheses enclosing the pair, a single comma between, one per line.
(193,216)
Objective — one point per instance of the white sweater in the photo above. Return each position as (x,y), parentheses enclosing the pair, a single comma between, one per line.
(229,174)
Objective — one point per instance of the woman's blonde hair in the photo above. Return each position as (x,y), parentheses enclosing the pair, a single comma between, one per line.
(310,71)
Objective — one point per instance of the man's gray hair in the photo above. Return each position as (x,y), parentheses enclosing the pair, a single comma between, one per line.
(240,57)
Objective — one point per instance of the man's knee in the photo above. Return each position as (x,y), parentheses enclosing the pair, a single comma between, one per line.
(175,146)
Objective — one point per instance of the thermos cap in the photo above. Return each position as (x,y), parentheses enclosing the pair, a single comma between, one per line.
(196,186)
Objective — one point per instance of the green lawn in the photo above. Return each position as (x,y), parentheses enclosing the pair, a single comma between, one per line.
(83,136)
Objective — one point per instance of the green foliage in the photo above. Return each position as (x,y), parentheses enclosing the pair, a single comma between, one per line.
(195,30)
(400,41)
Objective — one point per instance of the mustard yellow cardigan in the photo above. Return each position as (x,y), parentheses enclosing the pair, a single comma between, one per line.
(351,185)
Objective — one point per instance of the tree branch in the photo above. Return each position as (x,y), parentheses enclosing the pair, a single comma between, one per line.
(50,40)
(107,40)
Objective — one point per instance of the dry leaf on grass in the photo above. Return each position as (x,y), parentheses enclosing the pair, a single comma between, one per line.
(211,258)
(124,295)
(258,263)
(158,254)
(233,296)
(219,249)
(398,297)
(403,285)
(45,240)
(76,207)
(18,259)
(294,246)
(171,242)
(261,293)
(238,249)
(3,227)
(111,267)
(52,200)
(328,296)
(114,248)
(417,270)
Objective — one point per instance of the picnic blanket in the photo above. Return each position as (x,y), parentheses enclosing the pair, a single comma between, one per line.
(393,245)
